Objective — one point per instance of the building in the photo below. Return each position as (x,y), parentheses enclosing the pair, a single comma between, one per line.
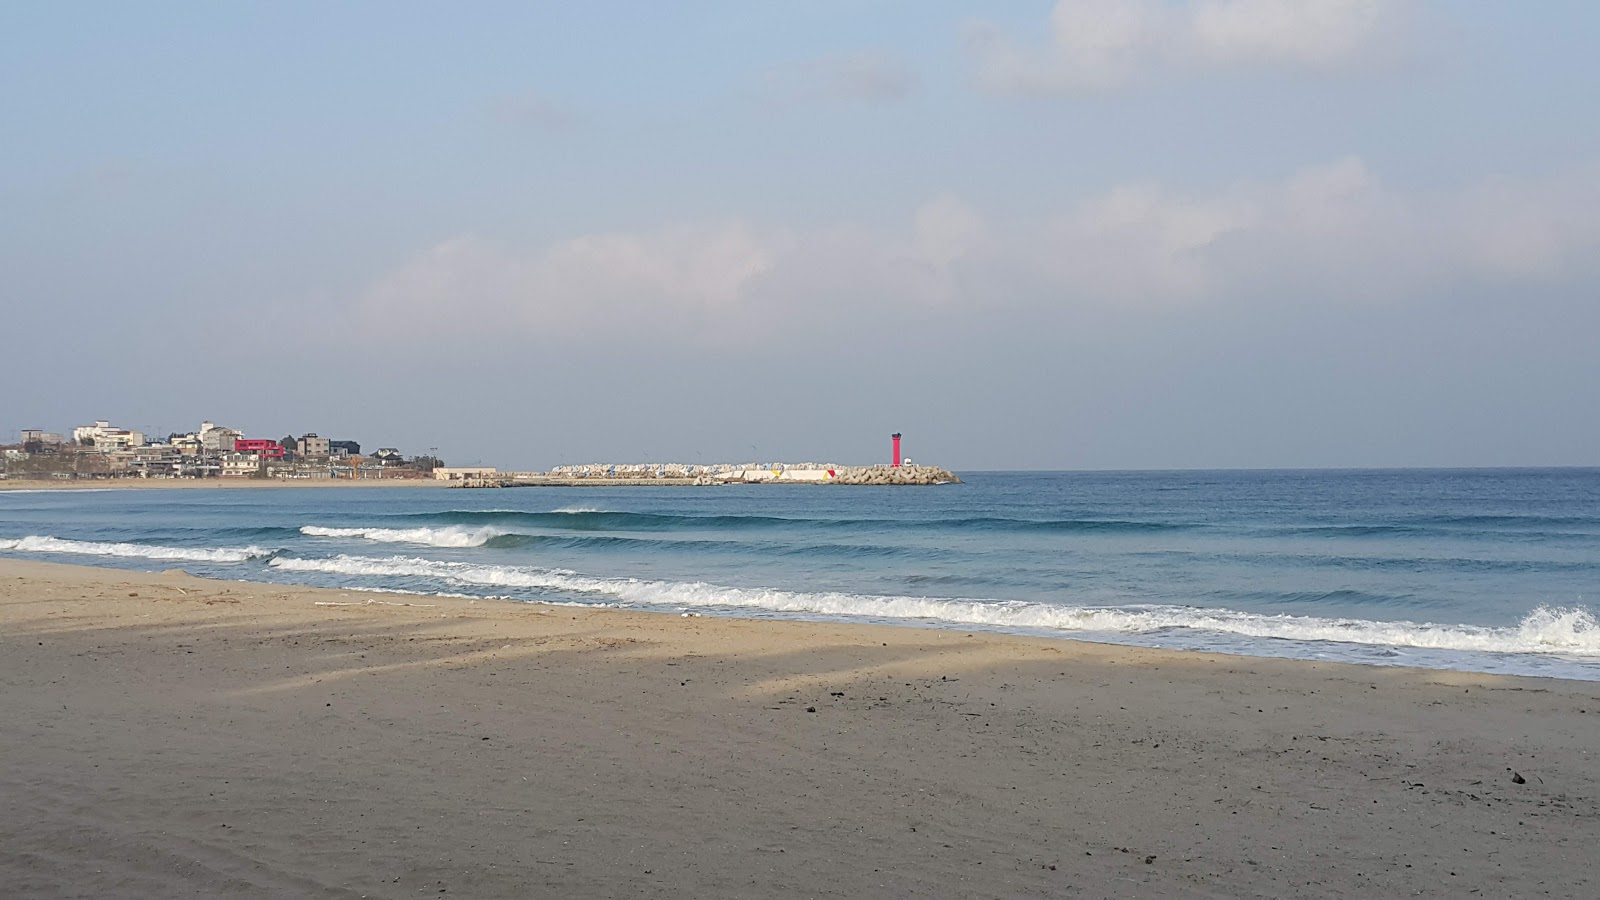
(388,456)
(217,439)
(103,436)
(242,465)
(462,473)
(155,459)
(344,449)
(36,441)
(312,447)
(259,447)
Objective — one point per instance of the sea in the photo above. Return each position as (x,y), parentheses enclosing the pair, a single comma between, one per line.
(1479,570)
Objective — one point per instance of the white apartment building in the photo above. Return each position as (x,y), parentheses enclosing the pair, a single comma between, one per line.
(217,439)
(106,438)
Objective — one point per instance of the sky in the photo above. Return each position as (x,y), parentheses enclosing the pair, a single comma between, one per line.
(1089,234)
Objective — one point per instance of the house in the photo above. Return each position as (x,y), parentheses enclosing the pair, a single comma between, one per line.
(242,465)
(344,449)
(388,456)
(312,447)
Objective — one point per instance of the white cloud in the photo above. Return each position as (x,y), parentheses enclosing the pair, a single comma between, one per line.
(1329,233)
(1315,33)
(1102,44)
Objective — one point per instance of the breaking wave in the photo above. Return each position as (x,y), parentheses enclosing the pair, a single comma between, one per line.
(9,491)
(47,544)
(1546,630)
(448,536)
(583,518)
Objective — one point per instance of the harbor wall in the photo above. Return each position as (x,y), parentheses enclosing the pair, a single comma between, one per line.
(622,474)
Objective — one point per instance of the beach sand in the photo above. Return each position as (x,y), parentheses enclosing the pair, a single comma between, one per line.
(169,736)
(88,484)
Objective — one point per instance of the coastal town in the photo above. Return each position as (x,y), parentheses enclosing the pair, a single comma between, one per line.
(103,451)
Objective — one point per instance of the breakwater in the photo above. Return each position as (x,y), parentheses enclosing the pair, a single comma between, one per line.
(665,474)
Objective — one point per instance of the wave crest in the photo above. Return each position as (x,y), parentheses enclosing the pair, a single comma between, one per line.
(1546,630)
(447,536)
(48,544)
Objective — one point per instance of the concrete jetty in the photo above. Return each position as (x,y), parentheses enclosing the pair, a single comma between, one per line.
(682,474)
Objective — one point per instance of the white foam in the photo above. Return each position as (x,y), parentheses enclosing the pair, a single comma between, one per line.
(7,491)
(448,536)
(1546,630)
(47,544)
(578,510)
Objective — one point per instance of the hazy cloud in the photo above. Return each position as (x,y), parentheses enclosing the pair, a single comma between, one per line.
(533,110)
(862,77)
(1329,233)
(657,280)
(1097,45)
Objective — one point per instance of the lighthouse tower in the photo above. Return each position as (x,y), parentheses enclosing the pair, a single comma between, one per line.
(896,437)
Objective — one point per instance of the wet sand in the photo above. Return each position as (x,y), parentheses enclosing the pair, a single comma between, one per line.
(166,735)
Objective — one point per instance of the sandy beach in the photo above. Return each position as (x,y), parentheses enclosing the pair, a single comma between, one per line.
(169,736)
(87,484)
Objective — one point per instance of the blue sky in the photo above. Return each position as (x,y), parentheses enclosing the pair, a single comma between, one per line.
(1084,234)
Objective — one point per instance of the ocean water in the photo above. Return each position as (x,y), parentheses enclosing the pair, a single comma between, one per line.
(1483,570)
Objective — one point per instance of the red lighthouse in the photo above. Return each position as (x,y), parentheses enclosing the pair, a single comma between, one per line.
(896,437)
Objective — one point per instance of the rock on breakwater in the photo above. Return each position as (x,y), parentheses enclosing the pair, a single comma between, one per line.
(636,474)
(893,475)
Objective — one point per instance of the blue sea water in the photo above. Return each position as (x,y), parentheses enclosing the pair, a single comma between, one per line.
(1484,570)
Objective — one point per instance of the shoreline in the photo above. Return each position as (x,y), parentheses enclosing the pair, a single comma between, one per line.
(127,484)
(172,734)
(1428,648)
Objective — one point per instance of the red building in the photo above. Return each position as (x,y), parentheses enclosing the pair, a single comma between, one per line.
(263,448)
